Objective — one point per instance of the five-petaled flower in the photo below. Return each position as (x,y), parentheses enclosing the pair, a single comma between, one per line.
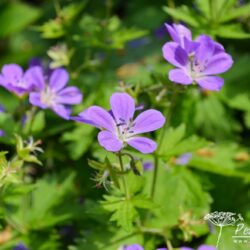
(196,61)
(51,92)
(15,80)
(118,126)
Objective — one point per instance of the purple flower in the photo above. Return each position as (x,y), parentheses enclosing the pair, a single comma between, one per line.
(20,246)
(35,61)
(2,109)
(160,32)
(119,128)
(51,91)
(183,159)
(201,247)
(198,61)
(147,165)
(206,247)
(133,247)
(2,133)
(15,80)
(178,32)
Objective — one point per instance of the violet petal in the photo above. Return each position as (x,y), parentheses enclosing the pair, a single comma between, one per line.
(211,82)
(179,76)
(142,144)
(58,79)
(123,107)
(148,121)
(69,95)
(101,118)
(109,141)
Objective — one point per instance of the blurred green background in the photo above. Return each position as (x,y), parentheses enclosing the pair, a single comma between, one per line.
(108,46)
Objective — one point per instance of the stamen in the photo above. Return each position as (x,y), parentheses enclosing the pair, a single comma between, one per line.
(120,124)
(132,125)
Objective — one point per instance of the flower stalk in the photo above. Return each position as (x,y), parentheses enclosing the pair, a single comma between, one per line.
(124,180)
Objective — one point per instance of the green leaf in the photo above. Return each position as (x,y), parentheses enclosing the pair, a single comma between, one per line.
(69,12)
(122,36)
(15,17)
(237,96)
(7,123)
(243,11)
(175,143)
(247,119)
(135,182)
(179,191)
(52,29)
(123,211)
(80,139)
(183,13)
(96,165)
(32,158)
(109,239)
(38,123)
(204,6)
(221,160)
(111,203)
(212,167)
(171,137)
(3,160)
(213,108)
(38,206)
(124,215)
(233,31)
(142,201)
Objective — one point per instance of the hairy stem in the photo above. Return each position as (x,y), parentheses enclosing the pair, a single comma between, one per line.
(155,173)
(124,181)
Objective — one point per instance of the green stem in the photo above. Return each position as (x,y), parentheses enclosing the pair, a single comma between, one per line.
(155,173)
(124,180)
(161,137)
(154,231)
(30,120)
(169,245)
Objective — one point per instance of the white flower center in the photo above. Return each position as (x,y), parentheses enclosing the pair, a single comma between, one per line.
(196,68)
(125,129)
(48,96)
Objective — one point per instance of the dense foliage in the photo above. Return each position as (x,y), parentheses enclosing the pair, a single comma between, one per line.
(81,81)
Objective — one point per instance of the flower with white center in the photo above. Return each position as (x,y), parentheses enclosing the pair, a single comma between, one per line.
(118,126)
(51,91)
